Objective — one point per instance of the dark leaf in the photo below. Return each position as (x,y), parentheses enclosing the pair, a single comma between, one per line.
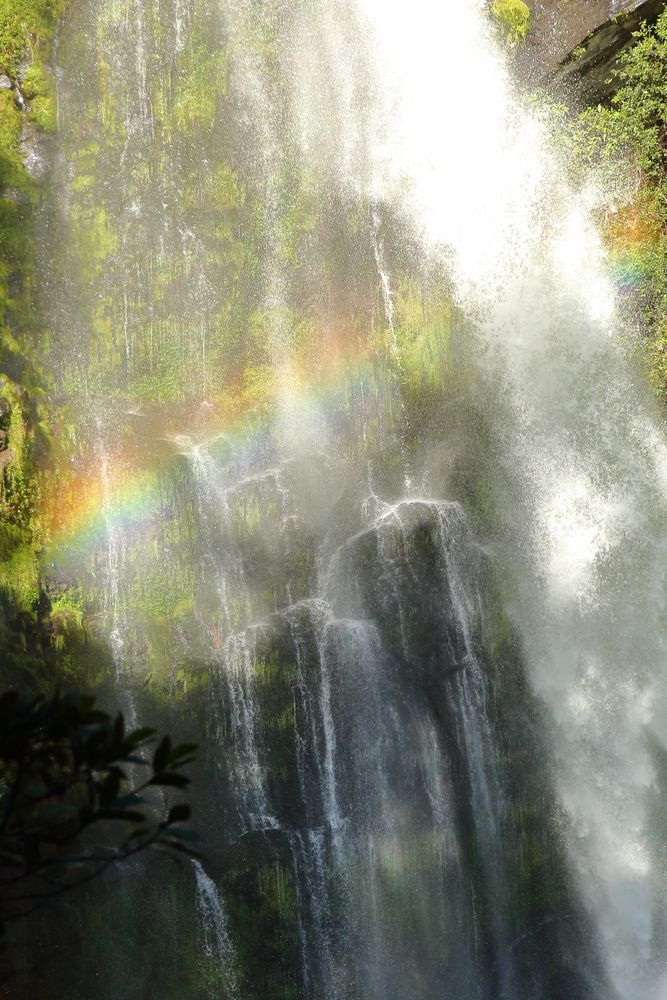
(171,778)
(110,787)
(181,833)
(161,755)
(181,751)
(139,735)
(129,815)
(179,813)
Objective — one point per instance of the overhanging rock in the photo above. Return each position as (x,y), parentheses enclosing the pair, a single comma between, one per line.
(576,45)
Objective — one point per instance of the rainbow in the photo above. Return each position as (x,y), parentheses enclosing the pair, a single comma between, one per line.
(632,236)
(124,489)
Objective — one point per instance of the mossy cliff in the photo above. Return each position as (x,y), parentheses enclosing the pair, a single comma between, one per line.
(36,437)
(188,352)
(211,292)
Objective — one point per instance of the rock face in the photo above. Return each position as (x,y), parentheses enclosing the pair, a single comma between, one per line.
(591,67)
(577,42)
(35,150)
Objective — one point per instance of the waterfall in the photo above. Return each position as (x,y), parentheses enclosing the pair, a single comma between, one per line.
(579,473)
(115,624)
(217,943)
(382,501)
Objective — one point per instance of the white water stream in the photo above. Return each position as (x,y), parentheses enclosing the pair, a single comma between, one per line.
(217,944)
(581,476)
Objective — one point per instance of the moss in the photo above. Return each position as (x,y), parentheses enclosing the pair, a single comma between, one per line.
(26,25)
(261,897)
(26,28)
(295,225)
(19,577)
(160,386)
(11,167)
(202,83)
(515,17)
(26,419)
(259,385)
(39,90)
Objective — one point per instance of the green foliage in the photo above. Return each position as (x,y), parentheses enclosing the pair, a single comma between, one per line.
(640,105)
(632,130)
(38,89)
(24,25)
(515,16)
(26,28)
(11,168)
(634,123)
(67,789)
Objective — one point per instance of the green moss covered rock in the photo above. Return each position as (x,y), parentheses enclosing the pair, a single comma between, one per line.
(516,17)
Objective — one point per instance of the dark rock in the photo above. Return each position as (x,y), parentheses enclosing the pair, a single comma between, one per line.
(577,43)
(34,150)
(591,68)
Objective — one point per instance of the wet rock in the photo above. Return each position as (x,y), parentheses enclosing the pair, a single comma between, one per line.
(19,99)
(401,579)
(34,151)
(579,42)
(13,194)
(592,67)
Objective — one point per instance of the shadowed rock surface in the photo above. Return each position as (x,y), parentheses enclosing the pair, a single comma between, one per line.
(577,43)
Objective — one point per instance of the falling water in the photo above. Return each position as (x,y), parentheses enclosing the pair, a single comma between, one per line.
(397,563)
(217,943)
(580,460)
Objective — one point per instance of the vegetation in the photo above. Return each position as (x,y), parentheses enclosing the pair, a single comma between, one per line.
(515,16)
(28,421)
(66,771)
(25,26)
(68,768)
(634,127)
